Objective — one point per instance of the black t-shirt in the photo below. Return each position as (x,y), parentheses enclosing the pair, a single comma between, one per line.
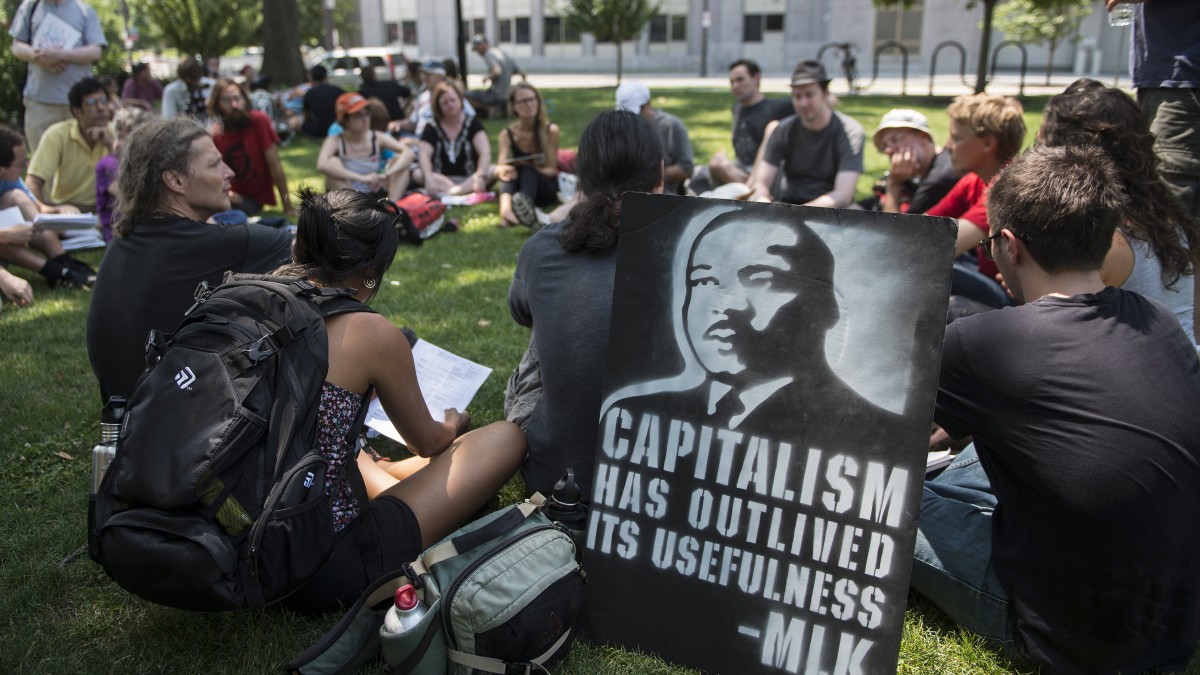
(148,279)
(453,157)
(749,123)
(935,184)
(390,92)
(320,101)
(1084,414)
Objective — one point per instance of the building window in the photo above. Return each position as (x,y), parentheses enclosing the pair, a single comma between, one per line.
(679,28)
(668,28)
(522,30)
(570,32)
(506,30)
(553,27)
(752,28)
(774,23)
(393,31)
(477,27)
(408,32)
(658,28)
(894,24)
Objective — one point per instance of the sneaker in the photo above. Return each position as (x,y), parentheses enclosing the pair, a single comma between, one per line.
(67,276)
(524,210)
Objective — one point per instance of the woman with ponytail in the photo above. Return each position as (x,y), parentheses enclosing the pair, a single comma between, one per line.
(562,289)
(384,513)
(1157,247)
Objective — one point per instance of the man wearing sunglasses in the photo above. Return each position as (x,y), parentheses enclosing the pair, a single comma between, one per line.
(62,170)
(1066,531)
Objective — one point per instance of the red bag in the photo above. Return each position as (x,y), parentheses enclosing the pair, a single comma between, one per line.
(423,216)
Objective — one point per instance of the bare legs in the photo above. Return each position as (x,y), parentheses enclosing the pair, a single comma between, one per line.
(443,492)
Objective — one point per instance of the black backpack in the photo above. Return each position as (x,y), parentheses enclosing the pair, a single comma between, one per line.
(216,496)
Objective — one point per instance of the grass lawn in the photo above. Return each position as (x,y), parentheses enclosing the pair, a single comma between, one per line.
(71,618)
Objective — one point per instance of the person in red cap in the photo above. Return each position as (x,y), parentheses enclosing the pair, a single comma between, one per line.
(250,146)
(355,157)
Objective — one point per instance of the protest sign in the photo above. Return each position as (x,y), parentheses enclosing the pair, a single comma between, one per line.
(768,400)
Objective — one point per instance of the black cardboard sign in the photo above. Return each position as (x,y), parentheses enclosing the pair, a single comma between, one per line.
(770,387)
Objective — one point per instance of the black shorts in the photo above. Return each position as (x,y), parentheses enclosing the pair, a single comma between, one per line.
(382,539)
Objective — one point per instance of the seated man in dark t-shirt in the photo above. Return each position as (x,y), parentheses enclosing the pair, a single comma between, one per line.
(752,112)
(319,102)
(1067,531)
(175,180)
(920,174)
(390,92)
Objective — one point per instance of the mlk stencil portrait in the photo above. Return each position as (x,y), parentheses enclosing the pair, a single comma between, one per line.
(762,442)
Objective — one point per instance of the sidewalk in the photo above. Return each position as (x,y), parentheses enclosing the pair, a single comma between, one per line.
(944,85)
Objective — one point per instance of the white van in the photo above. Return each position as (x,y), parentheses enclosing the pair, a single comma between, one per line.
(343,65)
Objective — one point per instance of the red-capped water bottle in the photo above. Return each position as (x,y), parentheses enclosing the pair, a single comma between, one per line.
(406,613)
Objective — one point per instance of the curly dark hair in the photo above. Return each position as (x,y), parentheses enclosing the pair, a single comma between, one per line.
(1090,113)
(619,152)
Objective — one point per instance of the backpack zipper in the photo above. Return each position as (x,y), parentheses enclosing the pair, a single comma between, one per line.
(448,596)
(260,523)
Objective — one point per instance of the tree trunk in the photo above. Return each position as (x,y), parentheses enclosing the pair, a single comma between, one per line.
(618,41)
(281,43)
(985,45)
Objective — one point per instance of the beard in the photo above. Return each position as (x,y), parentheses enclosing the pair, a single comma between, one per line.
(235,119)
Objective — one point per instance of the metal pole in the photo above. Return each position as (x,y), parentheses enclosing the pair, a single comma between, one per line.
(462,41)
(705,22)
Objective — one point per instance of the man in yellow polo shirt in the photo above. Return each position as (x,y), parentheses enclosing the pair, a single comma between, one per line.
(63,168)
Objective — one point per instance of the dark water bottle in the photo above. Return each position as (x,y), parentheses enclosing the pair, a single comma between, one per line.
(566,508)
(110,428)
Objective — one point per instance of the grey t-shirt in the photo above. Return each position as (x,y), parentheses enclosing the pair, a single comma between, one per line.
(677,147)
(65,25)
(500,85)
(810,160)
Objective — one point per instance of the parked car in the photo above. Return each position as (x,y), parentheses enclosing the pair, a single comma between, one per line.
(343,64)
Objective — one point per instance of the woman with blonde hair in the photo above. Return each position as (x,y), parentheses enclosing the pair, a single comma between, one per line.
(456,155)
(527,165)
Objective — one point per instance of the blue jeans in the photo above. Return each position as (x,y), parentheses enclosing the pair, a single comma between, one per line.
(966,281)
(953,557)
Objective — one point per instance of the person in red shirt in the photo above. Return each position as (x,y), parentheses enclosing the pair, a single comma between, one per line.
(249,145)
(986,132)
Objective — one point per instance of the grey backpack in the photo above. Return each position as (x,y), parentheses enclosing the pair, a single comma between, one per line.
(501,595)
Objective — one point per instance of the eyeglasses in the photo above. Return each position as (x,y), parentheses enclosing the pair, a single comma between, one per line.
(986,244)
(232,99)
(95,102)
(524,101)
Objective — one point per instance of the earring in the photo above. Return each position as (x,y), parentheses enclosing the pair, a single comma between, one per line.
(369,283)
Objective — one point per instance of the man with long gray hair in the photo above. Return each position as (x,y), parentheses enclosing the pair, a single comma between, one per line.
(172,180)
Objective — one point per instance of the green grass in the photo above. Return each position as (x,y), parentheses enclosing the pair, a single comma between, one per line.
(71,618)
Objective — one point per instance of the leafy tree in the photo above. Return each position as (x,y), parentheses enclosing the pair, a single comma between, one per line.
(985,42)
(204,27)
(613,21)
(312,21)
(1022,22)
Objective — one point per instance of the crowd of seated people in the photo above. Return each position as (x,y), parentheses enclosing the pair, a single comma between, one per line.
(161,185)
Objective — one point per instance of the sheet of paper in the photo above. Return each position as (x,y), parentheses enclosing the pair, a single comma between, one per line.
(446,379)
(66,221)
(938,459)
(54,33)
(78,240)
(11,216)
